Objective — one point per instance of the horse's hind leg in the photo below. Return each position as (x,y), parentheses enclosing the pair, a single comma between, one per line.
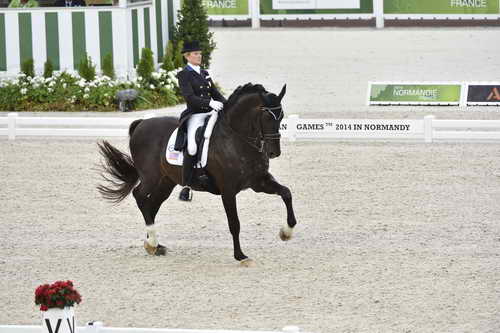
(149,199)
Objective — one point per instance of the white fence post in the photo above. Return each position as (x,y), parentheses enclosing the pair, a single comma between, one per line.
(254,7)
(12,119)
(95,326)
(292,127)
(428,131)
(463,94)
(378,11)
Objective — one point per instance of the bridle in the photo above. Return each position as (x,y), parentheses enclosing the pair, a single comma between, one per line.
(259,141)
(272,111)
(277,113)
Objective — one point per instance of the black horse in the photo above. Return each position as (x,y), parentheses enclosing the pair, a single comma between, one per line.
(244,138)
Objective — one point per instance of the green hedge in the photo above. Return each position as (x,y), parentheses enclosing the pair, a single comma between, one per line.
(69,92)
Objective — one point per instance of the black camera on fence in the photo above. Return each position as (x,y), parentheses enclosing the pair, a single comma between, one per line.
(126,99)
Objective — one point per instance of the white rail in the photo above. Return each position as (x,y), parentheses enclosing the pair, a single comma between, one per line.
(294,128)
(98,328)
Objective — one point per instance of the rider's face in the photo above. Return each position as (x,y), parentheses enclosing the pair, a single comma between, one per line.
(194,58)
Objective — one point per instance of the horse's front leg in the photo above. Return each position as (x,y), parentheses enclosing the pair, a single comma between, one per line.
(268,184)
(229,201)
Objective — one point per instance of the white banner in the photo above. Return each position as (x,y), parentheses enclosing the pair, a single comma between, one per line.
(316,4)
(356,125)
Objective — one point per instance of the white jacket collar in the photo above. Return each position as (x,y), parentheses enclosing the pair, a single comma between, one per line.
(196,68)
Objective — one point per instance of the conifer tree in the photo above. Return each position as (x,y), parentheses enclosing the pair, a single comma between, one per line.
(168,58)
(107,66)
(192,24)
(179,60)
(146,65)
(28,67)
(86,69)
(48,69)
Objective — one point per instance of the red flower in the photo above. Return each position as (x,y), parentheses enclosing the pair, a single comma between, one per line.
(57,295)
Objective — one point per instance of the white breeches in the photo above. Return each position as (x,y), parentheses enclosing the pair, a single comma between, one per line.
(195,121)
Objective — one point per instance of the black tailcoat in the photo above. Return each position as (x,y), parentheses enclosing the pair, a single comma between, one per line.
(197,90)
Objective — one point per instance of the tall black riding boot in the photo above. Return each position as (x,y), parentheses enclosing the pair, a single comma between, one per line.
(187,177)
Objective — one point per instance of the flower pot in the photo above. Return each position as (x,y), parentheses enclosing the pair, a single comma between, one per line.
(57,320)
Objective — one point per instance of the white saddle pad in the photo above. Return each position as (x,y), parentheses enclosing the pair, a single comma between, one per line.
(175,157)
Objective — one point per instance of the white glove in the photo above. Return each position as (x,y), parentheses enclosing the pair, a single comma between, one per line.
(216,105)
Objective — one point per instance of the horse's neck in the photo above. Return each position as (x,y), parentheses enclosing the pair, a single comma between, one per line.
(240,118)
(238,127)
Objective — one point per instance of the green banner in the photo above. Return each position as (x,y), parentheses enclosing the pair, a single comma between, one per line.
(266,8)
(441,7)
(416,93)
(226,7)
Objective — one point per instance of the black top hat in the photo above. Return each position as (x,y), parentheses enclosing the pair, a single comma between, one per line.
(191,46)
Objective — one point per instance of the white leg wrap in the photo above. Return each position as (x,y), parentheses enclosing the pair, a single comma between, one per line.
(152,237)
(287,230)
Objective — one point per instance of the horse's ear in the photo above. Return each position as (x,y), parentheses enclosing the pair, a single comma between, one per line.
(282,93)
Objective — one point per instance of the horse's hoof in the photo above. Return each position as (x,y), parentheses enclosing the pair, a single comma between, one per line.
(159,250)
(247,263)
(285,235)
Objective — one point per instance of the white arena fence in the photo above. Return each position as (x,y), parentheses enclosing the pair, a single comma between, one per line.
(97,327)
(428,129)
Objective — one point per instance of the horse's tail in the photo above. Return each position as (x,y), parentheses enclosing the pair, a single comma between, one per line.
(119,173)
(133,125)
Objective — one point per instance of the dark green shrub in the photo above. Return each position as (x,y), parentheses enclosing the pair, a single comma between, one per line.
(9,98)
(179,60)
(48,69)
(168,58)
(146,65)
(107,66)
(86,69)
(28,67)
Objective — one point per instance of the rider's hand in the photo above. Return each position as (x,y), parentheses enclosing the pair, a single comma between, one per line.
(216,105)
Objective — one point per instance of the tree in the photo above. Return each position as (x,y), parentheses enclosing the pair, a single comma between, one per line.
(168,58)
(179,60)
(146,65)
(86,69)
(192,24)
(48,69)
(28,67)
(107,66)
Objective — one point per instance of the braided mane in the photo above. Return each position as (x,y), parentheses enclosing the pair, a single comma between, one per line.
(241,91)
